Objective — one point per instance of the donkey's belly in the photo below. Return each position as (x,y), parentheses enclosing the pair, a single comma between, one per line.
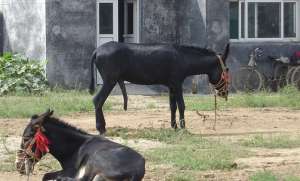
(145,79)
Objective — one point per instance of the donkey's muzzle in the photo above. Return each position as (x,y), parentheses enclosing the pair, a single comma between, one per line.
(23,164)
(223,94)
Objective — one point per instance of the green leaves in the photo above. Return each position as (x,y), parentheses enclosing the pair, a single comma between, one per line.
(19,74)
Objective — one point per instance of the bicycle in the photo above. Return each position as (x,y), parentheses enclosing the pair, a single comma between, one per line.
(295,77)
(249,78)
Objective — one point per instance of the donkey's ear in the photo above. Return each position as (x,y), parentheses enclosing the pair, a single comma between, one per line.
(34,116)
(40,119)
(48,113)
(226,52)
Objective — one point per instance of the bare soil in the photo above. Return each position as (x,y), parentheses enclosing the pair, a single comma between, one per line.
(232,124)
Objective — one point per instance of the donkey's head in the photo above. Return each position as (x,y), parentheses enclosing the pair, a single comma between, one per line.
(219,77)
(34,144)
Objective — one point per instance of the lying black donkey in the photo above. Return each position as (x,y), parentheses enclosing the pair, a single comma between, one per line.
(83,157)
(161,64)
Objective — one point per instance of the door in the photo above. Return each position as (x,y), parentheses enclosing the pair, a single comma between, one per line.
(107,21)
(107,24)
(131,19)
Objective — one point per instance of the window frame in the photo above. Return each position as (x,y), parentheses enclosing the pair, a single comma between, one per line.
(281,38)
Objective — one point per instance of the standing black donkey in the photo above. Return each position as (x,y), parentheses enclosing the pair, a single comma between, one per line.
(152,64)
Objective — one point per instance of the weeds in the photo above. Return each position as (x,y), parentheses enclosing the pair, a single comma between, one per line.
(287,97)
(183,150)
(263,176)
(19,74)
(63,103)
(272,142)
(270,176)
(181,177)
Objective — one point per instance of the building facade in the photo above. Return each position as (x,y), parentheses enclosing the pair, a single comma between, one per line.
(65,32)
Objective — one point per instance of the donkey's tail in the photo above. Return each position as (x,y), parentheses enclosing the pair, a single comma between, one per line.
(92,83)
(123,89)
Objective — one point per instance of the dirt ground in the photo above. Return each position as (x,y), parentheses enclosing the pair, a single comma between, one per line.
(232,124)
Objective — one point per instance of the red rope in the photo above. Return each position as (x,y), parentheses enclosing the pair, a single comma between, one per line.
(42,143)
(226,77)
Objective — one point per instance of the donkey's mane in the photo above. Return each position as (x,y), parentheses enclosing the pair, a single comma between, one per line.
(66,125)
(200,50)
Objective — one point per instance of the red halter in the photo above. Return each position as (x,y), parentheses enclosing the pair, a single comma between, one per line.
(41,141)
(42,145)
(223,83)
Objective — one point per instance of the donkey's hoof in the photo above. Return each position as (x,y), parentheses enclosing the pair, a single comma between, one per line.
(182,123)
(174,125)
(101,131)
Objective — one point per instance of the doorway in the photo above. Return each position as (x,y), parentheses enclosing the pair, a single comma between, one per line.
(117,20)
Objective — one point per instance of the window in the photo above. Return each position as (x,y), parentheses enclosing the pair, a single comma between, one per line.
(106,18)
(263,19)
(129,18)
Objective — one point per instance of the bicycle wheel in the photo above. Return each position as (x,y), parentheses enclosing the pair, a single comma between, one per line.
(247,79)
(296,77)
(280,72)
(289,74)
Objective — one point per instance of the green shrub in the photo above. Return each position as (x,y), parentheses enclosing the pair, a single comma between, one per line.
(19,74)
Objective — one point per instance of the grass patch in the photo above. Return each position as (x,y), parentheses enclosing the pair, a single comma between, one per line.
(183,150)
(8,163)
(270,176)
(181,177)
(166,135)
(263,176)
(291,178)
(184,157)
(278,141)
(7,158)
(151,106)
(63,102)
(20,105)
(287,97)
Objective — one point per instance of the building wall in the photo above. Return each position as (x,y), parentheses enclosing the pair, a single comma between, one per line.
(24,27)
(158,21)
(173,21)
(191,22)
(71,39)
(1,33)
(217,19)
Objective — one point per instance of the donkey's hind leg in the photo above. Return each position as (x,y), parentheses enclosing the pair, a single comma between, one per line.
(173,107)
(99,100)
(123,89)
(181,106)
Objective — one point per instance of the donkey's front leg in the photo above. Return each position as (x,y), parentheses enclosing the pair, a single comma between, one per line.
(67,179)
(99,100)
(52,175)
(173,107)
(181,107)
